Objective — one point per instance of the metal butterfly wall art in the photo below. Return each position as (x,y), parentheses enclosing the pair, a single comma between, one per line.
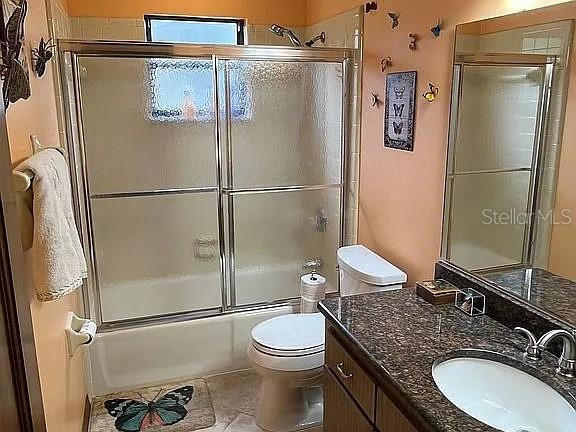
(395,19)
(12,70)
(42,55)
(431,94)
(135,416)
(413,46)
(437,29)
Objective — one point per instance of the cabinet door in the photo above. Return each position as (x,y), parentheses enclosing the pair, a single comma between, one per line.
(389,418)
(351,375)
(340,412)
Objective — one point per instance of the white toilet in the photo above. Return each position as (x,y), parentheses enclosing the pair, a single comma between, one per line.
(288,351)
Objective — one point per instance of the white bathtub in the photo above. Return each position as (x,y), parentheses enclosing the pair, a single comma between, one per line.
(135,357)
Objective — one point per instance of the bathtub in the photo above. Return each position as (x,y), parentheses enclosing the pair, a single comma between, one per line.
(136,357)
(128,358)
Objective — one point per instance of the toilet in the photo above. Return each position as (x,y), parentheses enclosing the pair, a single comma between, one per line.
(288,351)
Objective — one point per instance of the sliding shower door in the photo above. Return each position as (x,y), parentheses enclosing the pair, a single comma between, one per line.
(150,155)
(284,174)
(205,183)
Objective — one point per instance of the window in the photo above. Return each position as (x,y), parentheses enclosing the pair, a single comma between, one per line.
(182,90)
(194,30)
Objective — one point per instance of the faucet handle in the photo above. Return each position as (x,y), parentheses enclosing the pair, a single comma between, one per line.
(532,351)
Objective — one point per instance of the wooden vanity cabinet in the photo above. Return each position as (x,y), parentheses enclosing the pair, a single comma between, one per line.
(352,400)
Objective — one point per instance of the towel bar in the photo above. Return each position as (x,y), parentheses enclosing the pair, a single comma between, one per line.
(23,179)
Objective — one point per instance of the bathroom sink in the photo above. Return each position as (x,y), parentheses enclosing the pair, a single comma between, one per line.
(503,397)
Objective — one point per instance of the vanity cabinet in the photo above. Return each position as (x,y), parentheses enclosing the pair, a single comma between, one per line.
(352,400)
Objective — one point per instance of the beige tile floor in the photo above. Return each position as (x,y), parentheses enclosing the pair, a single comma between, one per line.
(234,396)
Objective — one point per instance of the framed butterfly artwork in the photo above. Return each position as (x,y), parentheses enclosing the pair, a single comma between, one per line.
(400,110)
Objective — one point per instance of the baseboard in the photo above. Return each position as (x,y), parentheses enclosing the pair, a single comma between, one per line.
(87,412)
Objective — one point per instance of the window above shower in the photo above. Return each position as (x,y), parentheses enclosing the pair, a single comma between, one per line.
(180,29)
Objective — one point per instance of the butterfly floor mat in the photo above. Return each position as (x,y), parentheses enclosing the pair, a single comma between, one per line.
(177,407)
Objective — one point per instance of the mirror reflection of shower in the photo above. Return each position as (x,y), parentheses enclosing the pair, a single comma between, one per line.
(321,37)
(283,31)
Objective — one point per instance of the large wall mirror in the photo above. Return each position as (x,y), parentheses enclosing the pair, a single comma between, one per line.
(510,204)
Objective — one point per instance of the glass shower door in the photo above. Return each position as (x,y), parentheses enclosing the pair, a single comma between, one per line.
(283,174)
(151,175)
(493,169)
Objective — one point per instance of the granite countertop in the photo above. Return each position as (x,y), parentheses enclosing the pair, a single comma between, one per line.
(546,290)
(398,337)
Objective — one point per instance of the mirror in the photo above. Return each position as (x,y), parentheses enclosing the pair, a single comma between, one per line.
(510,202)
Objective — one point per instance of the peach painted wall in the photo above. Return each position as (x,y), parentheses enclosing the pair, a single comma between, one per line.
(319,10)
(62,380)
(291,12)
(402,193)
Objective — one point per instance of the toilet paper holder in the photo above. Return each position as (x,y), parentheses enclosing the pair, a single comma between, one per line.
(79,332)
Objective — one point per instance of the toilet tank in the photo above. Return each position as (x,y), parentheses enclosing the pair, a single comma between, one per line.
(362,271)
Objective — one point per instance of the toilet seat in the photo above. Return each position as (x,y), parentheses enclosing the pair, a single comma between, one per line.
(289,342)
(286,364)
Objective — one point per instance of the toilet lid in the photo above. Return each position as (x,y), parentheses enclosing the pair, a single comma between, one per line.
(291,332)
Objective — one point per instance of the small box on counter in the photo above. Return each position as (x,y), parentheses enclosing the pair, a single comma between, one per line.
(437,291)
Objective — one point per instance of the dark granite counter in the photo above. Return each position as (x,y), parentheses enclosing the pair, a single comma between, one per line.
(545,290)
(398,337)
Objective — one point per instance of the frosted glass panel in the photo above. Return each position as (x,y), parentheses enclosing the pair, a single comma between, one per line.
(498,117)
(157,255)
(276,233)
(286,122)
(148,123)
(487,221)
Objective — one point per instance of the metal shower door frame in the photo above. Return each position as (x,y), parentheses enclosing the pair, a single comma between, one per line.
(461,61)
(71,51)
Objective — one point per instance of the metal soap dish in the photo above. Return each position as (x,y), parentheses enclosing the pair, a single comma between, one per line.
(471,302)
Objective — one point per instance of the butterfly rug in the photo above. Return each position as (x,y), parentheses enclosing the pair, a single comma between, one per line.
(177,407)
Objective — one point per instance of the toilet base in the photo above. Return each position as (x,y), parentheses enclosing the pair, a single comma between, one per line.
(288,403)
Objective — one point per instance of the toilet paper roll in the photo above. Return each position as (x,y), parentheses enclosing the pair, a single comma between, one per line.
(88,328)
(308,306)
(313,286)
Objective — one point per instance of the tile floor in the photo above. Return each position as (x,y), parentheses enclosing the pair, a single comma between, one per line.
(234,397)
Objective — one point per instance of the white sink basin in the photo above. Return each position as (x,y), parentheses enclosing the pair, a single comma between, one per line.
(503,397)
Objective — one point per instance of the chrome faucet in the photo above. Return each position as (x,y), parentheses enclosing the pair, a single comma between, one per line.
(532,351)
(567,362)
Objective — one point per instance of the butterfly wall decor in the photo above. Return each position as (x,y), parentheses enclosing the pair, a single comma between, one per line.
(386,63)
(400,110)
(371,6)
(376,101)
(413,42)
(437,29)
(13,70)
(431,94)
(135,416)
(395,19)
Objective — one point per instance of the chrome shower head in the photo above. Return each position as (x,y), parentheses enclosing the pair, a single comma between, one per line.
(283,31)
(321,37)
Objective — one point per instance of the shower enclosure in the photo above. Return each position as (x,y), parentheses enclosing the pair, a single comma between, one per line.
(208,179)
(492,198)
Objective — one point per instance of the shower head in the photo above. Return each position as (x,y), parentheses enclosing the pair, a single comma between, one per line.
(283,31)
(321,37)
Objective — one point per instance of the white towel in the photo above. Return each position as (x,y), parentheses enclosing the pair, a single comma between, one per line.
(58,262)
